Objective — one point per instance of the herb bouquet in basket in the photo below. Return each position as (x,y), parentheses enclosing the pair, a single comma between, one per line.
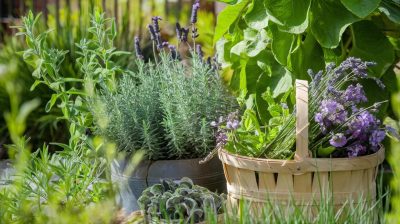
(329,145)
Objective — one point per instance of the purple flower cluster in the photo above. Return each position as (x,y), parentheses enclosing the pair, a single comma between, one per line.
(331,113)
(340,117)
(223,126)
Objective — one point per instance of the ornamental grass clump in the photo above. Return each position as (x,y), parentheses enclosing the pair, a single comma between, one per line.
(165,107)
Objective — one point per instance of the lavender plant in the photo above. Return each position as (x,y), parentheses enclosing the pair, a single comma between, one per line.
(341,125)
(165,107)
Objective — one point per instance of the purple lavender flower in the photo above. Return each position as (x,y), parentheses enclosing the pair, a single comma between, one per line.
(355,94)
(221,138)
(209,62)
(195,8)
(356,150)
(160,43)
(138,51)
(375,138)
(152,32)
(338,140)
(156,25)
(337,94)
(232,124)
(174,53)
(333,111)
(356,66)
(393,132)
(185,34)
(379,83)
(361,125)
(199,51)
(178,31)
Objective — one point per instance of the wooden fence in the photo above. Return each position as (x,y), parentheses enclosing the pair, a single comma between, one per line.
(12,10)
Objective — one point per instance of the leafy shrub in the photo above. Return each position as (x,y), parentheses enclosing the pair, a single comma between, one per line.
(164,108)
(180,201)
(270,43)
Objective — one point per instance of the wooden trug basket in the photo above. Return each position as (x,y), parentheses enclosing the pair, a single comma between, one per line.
(304,181)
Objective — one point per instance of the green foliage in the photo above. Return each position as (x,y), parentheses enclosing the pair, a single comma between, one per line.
(164,109)
(393,216)
(267,39)
(180,201)
(274,140)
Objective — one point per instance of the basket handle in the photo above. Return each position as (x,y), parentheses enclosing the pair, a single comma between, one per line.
(301,120)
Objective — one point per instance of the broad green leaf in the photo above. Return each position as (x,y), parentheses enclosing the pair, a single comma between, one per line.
(390,81)
(259,44)
(289,13)
(361,8)
(281,44)
(254,43)
(227,17)
(329,20)
(370,44)
(257,18)
(375,94)
(307,55)
(391,9)
(239,48)
(223,55)
(253,73)
(284,83)
(269,79)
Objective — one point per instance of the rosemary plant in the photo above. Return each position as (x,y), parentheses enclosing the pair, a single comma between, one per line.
(165,109)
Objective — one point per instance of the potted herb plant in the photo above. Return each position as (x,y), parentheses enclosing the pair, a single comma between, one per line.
(334,154)
(180,202)
(164,109)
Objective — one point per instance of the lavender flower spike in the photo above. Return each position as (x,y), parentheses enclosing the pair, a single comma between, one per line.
(138,51)
(185,34)
(199,51)
(195,8)
(152,32)
(178,31)
(155,20)
(174,53)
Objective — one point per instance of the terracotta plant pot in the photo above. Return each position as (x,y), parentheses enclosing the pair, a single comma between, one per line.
(148,173)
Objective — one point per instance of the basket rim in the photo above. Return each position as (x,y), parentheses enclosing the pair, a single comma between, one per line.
(304,165)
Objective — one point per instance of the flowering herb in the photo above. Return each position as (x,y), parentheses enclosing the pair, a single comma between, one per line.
(195,9)
(185,34)
(152,32)
(199,51)
(340,125)
(138,50)
(178,30)
(246,136)
(174,53)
